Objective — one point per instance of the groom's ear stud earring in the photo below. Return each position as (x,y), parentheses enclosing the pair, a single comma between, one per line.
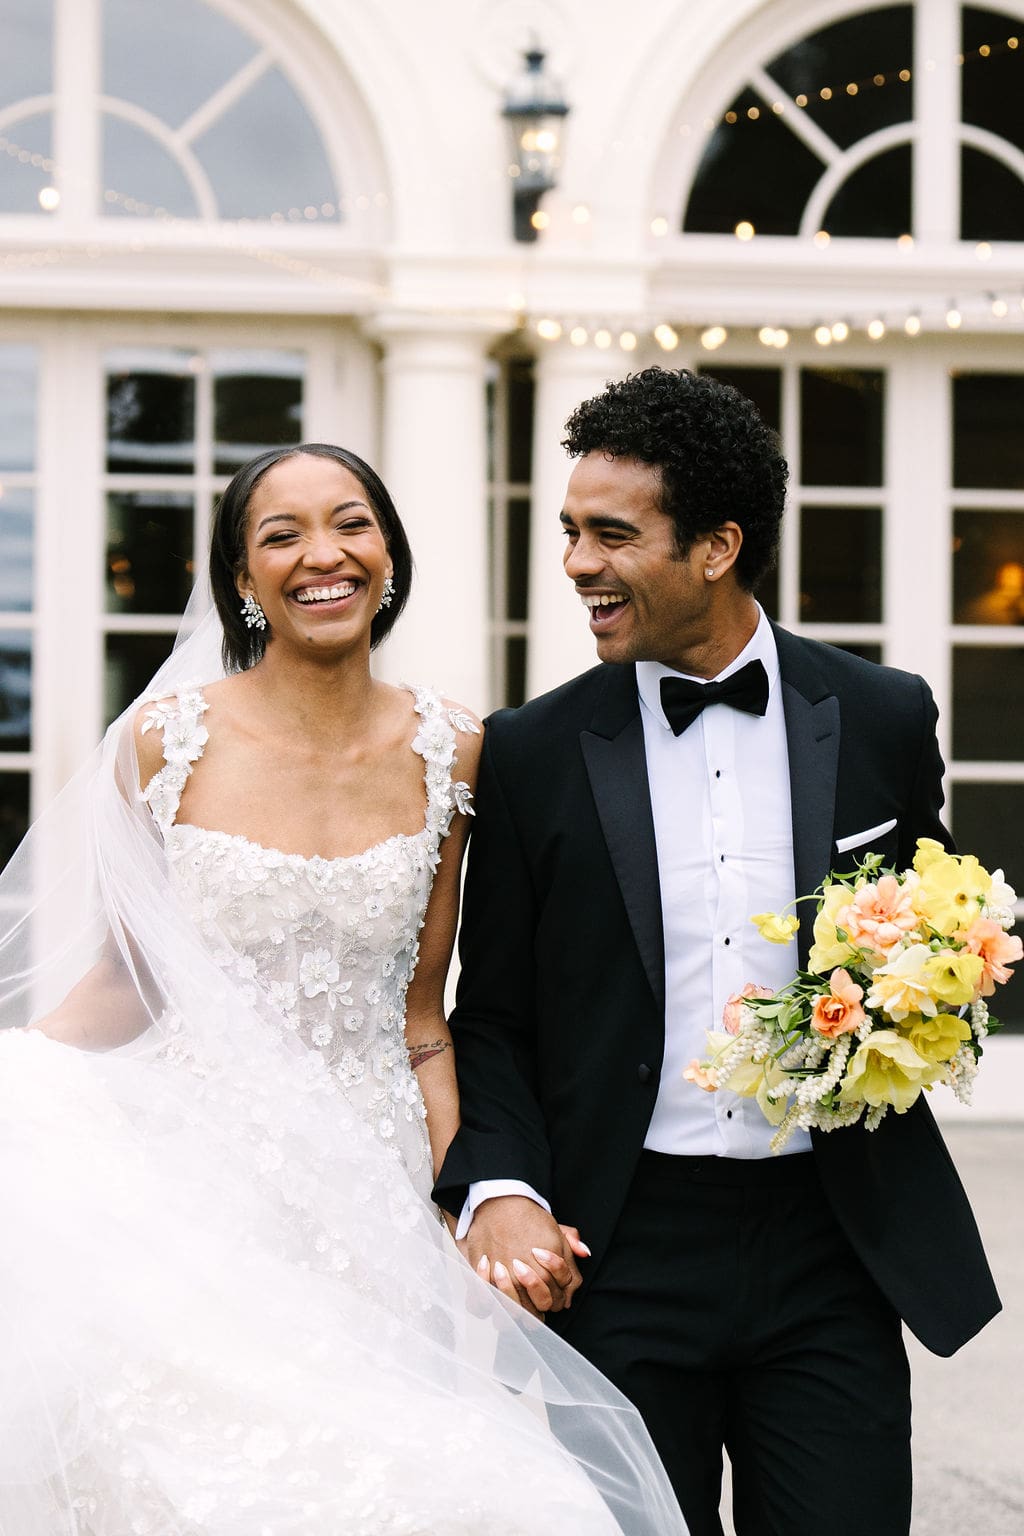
(709,572)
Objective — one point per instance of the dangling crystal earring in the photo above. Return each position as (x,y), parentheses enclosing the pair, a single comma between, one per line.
(253,614)
(387,594)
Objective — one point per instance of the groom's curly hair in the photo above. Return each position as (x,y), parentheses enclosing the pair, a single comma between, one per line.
(719,462)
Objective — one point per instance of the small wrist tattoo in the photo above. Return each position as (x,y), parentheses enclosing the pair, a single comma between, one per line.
(418,1054)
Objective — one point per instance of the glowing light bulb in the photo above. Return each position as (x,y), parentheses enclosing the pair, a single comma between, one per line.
(666,337)
(912,325)
(823,335)
(744,230)
(876,329)
(578,336)
(49,199)
(840,330)
(822,238)
(1000,308)
(713,337)
(548,330)
(627,341)
(540,219)
(954,319)
(659,226)
(766,335)
(581,214)
(602,339)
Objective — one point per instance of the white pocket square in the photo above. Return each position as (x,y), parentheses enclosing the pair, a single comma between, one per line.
(855,839)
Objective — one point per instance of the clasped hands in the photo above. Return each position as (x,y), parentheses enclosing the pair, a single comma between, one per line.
(516,1246)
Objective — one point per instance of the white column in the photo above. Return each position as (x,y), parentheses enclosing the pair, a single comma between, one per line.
(560,642)
(434,463)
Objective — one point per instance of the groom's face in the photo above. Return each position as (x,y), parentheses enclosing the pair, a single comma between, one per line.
(643,599)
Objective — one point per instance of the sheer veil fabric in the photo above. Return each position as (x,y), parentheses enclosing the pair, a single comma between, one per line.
(223,1308)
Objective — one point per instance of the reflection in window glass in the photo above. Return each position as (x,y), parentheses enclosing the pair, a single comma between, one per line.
(988,567)
(988,821)
(988,723)
(20,183)
(14,802)
(875,202)
(518,568)
(138,166)
(841,426)
(15,691)
(515,671)
(520,421)
(150,413)
(752,170)
(25,67)
(265,155)
(149,551)
(988,431)
(169,58)
(991,198)
(762,385)
(865,651)
(16,544)
(841,565)
(17,407)
(257,404)
(131,661)
(857,48)
(991,84)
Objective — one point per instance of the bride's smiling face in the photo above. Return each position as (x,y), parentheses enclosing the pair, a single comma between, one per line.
(315,557)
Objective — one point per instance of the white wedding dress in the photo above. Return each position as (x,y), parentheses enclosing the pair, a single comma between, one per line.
(226,1305)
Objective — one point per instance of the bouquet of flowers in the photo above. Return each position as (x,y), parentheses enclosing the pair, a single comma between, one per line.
(893,1001)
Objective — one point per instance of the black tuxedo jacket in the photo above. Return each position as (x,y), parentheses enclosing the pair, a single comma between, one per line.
(559,1026)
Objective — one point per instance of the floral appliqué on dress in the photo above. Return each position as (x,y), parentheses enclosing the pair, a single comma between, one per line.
(330,944)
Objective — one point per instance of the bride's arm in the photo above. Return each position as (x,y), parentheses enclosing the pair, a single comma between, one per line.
(426,1030)
(103,1010)
(114,1001)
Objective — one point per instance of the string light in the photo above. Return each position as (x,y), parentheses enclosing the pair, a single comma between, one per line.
(1000,308)
(912,325)
(548,330)
(823,335)
(602,339)
(822,238)
(840,330)
(49,199)
(954,319)
(578,336)
(659,226)
(713,337)
(581,214)
(876,329)
(666,337)
(744,230)
(627,341)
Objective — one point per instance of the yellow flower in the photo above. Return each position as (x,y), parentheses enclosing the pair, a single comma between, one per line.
(775,928)
(903,986)
(828,949)
(952,892)
(752,1079)
(939,1038)
(953,978)
(886,1069)
(928,852)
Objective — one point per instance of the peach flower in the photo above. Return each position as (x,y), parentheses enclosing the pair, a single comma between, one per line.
(879,914)
(732,1018)
(996,948)
(703,1077)
(839,1011)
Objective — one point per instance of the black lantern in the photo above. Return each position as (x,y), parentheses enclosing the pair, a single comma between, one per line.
(535,113)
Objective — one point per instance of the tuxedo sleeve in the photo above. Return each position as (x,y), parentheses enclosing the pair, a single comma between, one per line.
(494,1025)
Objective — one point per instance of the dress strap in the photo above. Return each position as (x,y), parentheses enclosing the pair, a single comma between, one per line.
(435,741)
(180,721)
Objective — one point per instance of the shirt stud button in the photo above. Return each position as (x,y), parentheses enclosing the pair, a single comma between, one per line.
(643,1072)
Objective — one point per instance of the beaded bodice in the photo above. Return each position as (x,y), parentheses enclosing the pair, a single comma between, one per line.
(330,943)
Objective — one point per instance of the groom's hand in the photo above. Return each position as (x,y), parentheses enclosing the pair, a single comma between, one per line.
(524,1253)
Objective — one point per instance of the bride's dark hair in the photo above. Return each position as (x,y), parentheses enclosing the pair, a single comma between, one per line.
(244,647)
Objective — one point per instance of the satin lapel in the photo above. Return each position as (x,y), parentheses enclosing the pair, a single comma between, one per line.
(812,737)
(616,763)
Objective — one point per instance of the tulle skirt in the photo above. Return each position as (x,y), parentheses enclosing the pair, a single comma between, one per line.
(203,1335)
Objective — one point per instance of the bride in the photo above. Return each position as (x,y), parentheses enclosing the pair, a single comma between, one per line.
(226,1305)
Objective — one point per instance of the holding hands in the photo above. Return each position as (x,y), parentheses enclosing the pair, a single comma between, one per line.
(516,1246)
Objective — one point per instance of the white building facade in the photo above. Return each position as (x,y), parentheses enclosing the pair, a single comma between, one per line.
(227,224)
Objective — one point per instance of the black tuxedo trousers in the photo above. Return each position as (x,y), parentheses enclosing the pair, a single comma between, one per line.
(559,1025)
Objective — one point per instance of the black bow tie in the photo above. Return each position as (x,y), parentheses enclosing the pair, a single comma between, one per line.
(683,700)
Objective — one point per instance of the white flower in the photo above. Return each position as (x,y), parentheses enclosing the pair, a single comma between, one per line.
(349,1068)
(322,1034)
(463,798)
(374,906)
(317,972)
(353,1020)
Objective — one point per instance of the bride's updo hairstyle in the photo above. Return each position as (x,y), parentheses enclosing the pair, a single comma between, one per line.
(244,647)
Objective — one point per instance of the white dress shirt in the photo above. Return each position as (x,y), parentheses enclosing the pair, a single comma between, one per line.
(724,834)
(723,827)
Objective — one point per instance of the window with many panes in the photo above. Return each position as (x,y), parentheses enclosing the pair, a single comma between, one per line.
(510,394)
(179,423)
(18,482)
(171,111)
(837,133)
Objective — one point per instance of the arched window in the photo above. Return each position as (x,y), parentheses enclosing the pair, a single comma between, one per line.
(139,108)
(838,132)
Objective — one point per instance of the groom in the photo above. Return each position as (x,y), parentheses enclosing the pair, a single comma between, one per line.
(629,823)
